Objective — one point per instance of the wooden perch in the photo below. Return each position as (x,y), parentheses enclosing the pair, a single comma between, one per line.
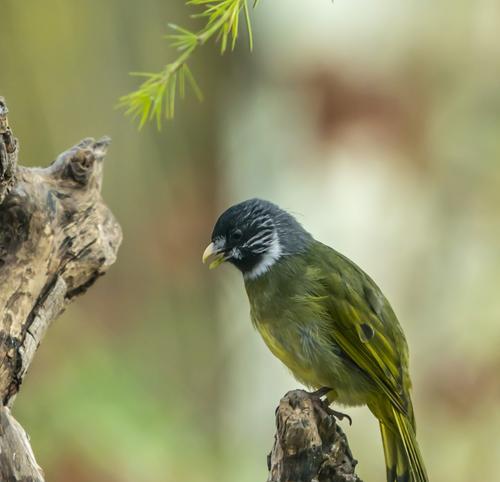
(56,238)
(309,446)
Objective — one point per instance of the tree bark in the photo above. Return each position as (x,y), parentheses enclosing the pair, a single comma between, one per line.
(309,446)
(56,238)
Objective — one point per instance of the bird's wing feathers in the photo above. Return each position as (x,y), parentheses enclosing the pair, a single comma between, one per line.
(366,328)
(374,356)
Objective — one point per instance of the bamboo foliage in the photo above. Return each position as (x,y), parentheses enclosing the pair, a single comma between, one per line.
(155,97)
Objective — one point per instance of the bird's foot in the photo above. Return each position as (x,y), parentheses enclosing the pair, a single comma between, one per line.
(339,415)
(323,391)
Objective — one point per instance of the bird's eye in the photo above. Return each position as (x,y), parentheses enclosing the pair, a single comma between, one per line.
(236,235)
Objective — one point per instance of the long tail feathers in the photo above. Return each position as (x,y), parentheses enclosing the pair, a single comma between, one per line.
(402,456)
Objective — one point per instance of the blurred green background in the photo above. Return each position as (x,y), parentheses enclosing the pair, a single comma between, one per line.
(377,124)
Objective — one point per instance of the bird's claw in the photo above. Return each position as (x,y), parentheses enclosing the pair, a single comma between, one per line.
(338,415)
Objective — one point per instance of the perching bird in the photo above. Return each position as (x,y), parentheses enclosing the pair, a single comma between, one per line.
(325,319)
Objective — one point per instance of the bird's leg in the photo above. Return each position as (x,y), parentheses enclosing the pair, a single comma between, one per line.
(323,391)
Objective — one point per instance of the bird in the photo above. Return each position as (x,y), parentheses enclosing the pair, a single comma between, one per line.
(325,319)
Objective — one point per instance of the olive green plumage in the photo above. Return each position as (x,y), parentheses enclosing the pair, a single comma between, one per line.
(325,319)
(329,323)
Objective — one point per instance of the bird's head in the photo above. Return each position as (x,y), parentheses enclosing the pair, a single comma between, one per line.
(253,235)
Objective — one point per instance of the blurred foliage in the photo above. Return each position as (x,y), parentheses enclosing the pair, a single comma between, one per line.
(156,96)
(380,131)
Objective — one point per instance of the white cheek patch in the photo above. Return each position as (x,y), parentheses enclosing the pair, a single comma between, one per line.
(219,243)
(272,254)
(235,253)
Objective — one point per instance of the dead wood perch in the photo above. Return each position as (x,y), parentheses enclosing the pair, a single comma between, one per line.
(56,238)
(309,446)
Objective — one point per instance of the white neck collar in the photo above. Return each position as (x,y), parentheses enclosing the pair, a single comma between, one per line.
(268,259)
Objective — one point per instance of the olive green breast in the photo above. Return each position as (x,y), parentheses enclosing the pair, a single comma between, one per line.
(288,309)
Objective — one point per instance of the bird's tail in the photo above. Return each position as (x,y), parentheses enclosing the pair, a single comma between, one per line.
(403,459)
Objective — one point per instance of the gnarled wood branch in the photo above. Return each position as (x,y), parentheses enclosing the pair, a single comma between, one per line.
(56,238)
(309,446)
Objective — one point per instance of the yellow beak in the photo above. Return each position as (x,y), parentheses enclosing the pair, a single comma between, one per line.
(216,254)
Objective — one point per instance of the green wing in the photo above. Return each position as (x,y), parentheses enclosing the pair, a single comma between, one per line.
(367,330)
(365,326)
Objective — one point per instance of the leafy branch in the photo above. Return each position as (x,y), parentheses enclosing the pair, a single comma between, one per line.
(155,97)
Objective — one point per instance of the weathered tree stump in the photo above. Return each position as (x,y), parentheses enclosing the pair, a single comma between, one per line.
(56,238)
(309,446)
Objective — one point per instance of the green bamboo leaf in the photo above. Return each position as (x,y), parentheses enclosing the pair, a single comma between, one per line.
(249,23)
(157,93)
(193,84)
(171,97)
(182,81)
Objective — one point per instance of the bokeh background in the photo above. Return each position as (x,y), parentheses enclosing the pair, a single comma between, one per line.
(376,123)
